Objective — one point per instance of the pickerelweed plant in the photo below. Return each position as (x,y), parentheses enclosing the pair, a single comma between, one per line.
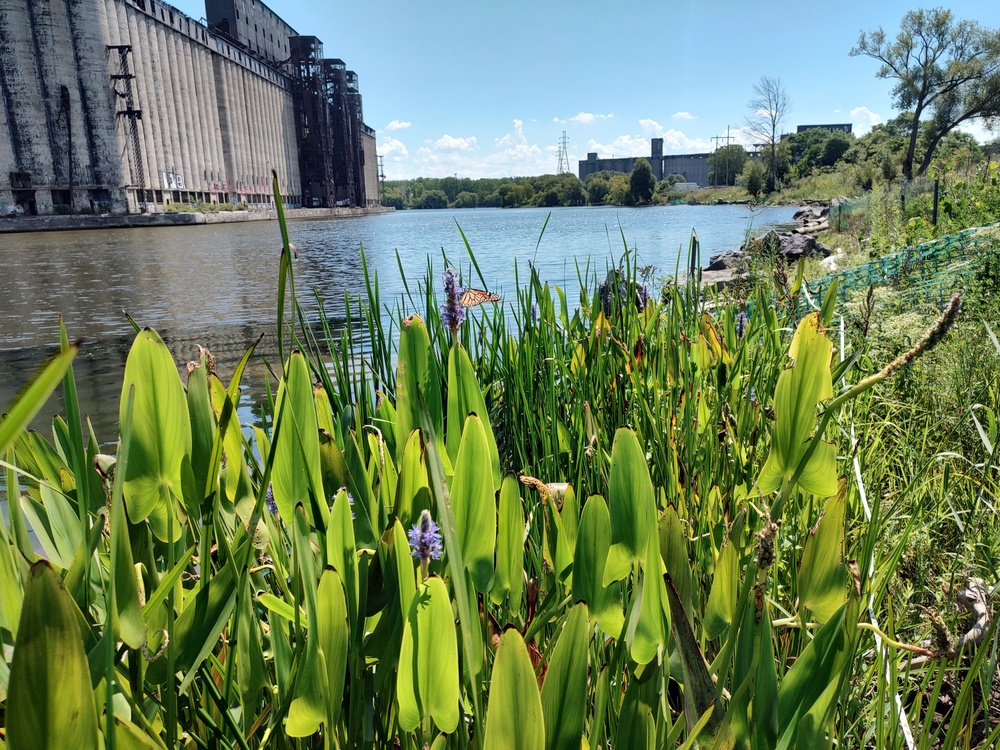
(593,525)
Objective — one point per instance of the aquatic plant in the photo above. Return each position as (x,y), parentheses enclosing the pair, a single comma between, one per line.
(550,525)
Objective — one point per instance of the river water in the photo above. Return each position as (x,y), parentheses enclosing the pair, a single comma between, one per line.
(216,285)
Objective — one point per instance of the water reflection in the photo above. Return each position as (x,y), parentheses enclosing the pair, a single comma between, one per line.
(216,285)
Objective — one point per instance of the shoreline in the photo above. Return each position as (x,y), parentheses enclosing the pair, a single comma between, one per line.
(66,223)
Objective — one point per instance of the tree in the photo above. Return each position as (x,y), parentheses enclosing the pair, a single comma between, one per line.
(943,67)
(725,164)
(768,108)
(465,199)
(432,199)
(641,182)
(753,177)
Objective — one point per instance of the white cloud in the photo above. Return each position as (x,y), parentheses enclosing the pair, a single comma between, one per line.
(637,144)
(584,118)
(398,125)
(394,149)
(864,119)
(683,116)
(450,143)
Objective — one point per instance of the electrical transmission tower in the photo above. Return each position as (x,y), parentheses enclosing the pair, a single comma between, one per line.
(563,167)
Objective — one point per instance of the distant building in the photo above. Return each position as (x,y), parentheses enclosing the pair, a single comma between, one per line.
(843,127)
(692,167)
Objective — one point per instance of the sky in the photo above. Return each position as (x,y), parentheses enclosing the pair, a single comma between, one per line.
(486,89)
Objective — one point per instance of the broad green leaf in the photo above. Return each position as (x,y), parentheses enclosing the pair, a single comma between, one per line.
(342,555)
(127,615)
(418,379)
(803,384)
(428,661)
(308,707)
(406,582)
(296,477)
(30,400)
(630,500)
(564,693)
(646,626)
(333,466)
(674,552)
(514,719)
(282,608)
(472,498)
(331,630)
(412,490)
(203,426)
(510,546)
(592,543)
(129,737)
(160,446)
(811,686)
(822,574)
(721,607)
(55,523)
(11,594)
(252,674)
(465,398)
(50,703)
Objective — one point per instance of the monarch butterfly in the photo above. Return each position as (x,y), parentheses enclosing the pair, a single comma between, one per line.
(473,297)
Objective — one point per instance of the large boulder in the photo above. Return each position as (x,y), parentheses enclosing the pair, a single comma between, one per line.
(725,261)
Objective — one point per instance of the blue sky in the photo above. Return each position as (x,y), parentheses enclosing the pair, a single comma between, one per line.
(485,89)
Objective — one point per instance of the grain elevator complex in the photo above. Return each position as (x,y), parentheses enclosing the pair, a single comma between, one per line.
(129,106)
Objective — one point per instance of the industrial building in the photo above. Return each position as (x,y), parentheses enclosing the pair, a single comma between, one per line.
(129,106)
(692,167)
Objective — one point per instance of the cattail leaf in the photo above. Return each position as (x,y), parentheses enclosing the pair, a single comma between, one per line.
(801,387)
(509,580)
(630,500)
(296,478)
(161,436)
(514,719)
(765,698)
(721,607)
(30,400)
(591,553)
(464,398)
(332,632)
(809,690)
(472,498)
(700,693)
(427,684)
(822,574)
(50,705)
(564,693)
(197,629)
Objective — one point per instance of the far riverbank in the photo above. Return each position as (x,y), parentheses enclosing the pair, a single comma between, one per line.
(73,222)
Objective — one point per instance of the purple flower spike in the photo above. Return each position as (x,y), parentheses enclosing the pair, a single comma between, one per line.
(425,539)
(452,313)
(741,325)
(269,499)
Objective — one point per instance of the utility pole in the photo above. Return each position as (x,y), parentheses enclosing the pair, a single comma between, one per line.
(727,138)
(563,165)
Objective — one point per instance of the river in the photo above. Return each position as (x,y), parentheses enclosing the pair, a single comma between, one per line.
(216,285)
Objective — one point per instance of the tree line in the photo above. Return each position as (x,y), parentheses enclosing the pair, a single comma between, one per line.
(945,72)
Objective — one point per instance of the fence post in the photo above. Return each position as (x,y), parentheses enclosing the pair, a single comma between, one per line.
(934,211)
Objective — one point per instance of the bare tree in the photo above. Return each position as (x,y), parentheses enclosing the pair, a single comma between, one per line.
(768,108)
(944,67)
